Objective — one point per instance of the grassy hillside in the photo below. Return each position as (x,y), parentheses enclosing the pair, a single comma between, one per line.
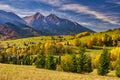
(39,39)
(69,38)
(114,32)
(22,48)
(19,72)
(43,39)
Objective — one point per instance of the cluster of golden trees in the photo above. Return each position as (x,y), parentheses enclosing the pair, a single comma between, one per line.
(16,55)
(105,40)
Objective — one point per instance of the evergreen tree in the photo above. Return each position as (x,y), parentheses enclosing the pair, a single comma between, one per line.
(14,59)
(26,59)
(88,65)
(40,62)
(59,60)
(81,60)
(104,63)
(74,63)
(118,67)
(50,63)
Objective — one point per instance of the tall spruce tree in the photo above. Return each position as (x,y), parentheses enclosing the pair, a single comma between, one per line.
(81,60)
(88,66)
(40,62)
(50,63)
(26,59)
(74,63)
(118,67)
(59,60)
(104,63)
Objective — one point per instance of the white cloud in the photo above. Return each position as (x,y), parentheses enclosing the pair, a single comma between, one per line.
(117,3)
(6,7)
(114,1)
(27,12)
(86,10)
(85,23)
(20,12)
(53,2)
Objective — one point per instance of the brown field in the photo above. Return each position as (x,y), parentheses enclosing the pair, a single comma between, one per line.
(20,72)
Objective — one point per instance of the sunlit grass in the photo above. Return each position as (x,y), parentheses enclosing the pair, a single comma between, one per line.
(19,72)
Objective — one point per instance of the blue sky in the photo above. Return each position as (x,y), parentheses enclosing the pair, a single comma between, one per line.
(98,15)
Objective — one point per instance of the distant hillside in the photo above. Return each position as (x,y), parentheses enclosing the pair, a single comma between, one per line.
(10,17)
(11,31)
(12,26)
(53,25)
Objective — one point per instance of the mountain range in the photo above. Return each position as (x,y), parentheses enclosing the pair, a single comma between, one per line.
(13,26)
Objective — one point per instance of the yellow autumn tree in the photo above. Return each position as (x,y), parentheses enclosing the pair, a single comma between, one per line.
(89,44)
(76,42)
(14,50)
(95,60)
(49,48)
(59,48)
(113,57)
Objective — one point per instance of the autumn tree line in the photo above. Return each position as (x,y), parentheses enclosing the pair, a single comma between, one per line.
(68,57)
(104,40)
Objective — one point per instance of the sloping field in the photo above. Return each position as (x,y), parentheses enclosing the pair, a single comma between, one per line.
(19,72)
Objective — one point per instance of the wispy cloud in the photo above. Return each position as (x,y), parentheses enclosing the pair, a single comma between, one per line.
(6,7)
(82,9)
(27,12)
(114,2)
(86,10)
(85,23)
(20,12)
(85,15)
(53,2)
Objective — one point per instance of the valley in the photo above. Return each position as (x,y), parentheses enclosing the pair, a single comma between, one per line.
(74,42)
